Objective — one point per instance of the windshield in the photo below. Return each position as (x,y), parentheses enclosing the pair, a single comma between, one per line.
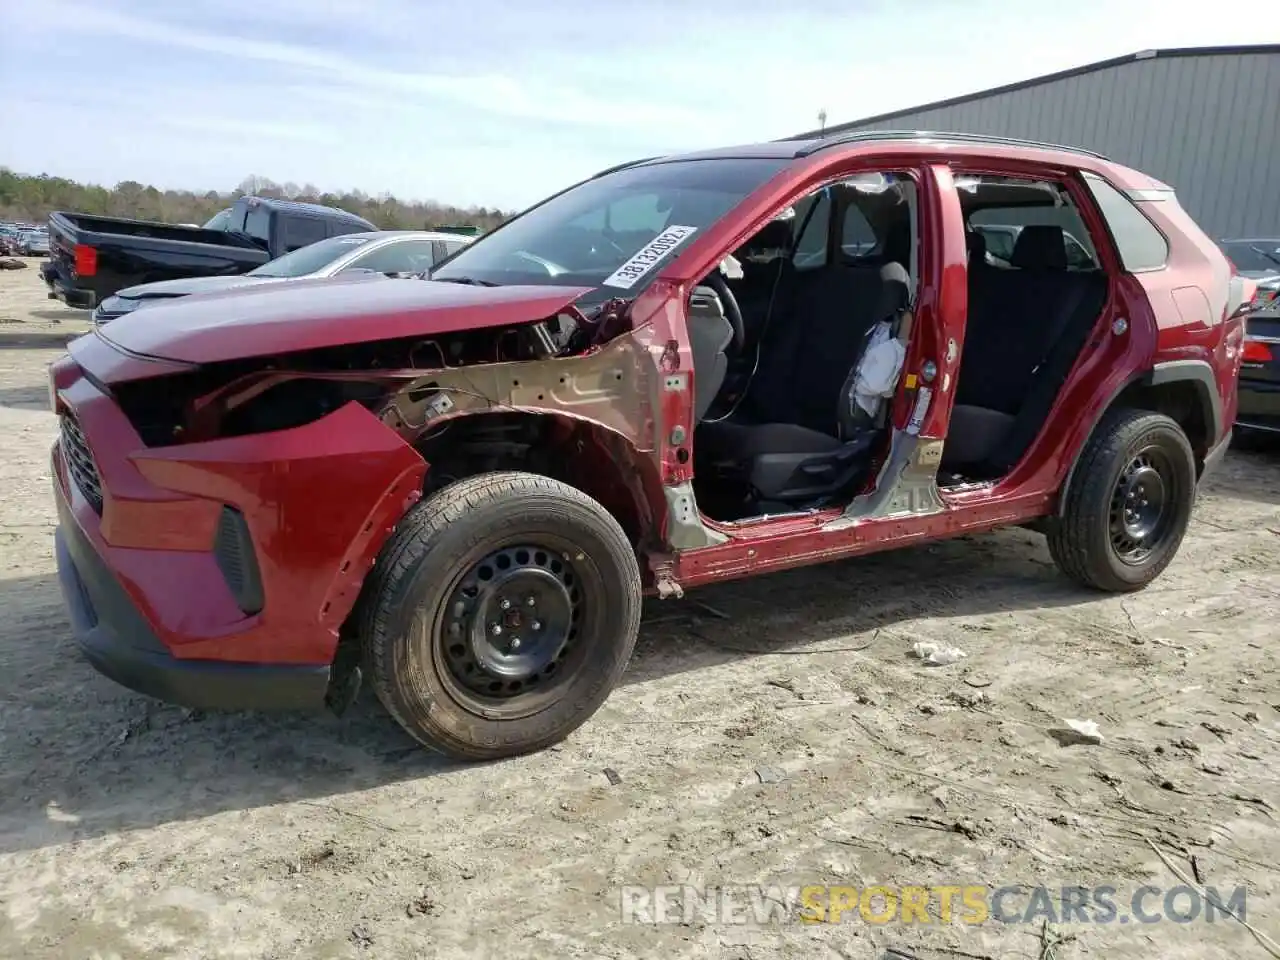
(219,221)
(308,259)
(613,231)
(1253,254)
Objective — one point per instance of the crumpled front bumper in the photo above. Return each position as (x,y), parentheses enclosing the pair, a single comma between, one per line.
(158,600)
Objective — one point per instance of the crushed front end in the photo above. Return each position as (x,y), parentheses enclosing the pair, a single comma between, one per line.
(209,548)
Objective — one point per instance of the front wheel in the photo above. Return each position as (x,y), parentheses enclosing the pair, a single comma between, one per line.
(1129,503)
(500,615)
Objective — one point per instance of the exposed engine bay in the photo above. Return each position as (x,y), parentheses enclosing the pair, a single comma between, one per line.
(263,394)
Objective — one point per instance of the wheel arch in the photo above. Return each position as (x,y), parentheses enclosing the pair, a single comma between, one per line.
(592,457)
(1184,390)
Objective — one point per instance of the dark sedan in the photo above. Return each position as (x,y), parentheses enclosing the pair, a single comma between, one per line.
(1259,259)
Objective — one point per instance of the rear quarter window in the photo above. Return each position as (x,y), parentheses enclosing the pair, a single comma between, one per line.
(1141,245)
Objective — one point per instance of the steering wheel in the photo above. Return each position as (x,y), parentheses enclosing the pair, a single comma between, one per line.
(732,311)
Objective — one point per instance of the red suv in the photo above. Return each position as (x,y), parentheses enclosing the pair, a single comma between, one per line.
(682,370)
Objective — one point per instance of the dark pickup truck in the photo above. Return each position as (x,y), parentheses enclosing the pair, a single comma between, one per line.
(90,258)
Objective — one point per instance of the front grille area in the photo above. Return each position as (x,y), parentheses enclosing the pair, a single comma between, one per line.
(79,459)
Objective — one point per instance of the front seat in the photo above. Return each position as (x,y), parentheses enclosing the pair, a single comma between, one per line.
(786,464)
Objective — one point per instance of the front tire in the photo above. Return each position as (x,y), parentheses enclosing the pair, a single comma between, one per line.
(500,615)
(1129,504)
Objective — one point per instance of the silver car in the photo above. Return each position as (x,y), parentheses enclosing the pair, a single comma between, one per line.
(33,243)
(389,252)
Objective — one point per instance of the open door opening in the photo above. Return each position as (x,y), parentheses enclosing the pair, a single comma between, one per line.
(1036,292)
(799,340)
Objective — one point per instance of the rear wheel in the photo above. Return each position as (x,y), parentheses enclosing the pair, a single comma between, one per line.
(500,615)
(1129,504)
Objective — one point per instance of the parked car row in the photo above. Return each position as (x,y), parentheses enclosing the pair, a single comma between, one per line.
(23,240)
(683,370)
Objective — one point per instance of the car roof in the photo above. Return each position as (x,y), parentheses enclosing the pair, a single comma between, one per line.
(868,141)
(299,206)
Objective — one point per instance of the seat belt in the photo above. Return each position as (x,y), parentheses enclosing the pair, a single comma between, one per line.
(1065,314)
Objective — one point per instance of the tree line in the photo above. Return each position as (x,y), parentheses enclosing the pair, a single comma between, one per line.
(33,198)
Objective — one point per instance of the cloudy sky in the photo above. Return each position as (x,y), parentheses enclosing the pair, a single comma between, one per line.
(499,102)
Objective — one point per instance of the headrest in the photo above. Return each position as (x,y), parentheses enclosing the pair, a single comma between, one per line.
(977,244)
(895,291)
(1040,247)
(774,235)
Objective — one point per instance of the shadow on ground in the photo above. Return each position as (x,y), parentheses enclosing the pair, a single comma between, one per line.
(13,339)
(84,758)
(1250,471)
(35,397)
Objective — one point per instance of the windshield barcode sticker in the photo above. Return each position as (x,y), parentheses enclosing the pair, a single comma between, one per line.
(648,257)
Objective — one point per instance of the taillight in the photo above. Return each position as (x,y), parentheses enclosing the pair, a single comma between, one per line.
(86,260)
(1256,352)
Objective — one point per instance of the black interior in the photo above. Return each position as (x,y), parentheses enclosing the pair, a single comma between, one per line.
(776,431)
(792,441)
(1026,326)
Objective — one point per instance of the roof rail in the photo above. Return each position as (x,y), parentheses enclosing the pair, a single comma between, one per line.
(945,136)
(622,166)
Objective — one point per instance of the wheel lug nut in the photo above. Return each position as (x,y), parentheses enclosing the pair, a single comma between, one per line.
(537,625)
(495,629)
(504,604)
(515,643)
(531,601)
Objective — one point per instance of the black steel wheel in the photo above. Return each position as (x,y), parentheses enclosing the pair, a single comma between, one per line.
(500,614)
(1129,502)
(508,628)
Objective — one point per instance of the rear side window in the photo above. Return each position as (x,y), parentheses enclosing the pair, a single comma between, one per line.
(857,238)
(302,232)
(1140,244)
(405,256)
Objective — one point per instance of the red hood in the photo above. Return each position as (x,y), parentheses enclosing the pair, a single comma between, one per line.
(307,314)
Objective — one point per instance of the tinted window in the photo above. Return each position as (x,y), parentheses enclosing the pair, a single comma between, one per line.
(1140,244)
(813,220)
(1000,227)
(303,231)
(404,256)
(584,235)
(310,258)
(257,223)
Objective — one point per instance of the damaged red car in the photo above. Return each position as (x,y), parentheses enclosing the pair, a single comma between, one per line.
(683,370)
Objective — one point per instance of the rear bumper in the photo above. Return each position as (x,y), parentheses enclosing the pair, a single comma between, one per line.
(1258,405)
(60,289)
(118,642)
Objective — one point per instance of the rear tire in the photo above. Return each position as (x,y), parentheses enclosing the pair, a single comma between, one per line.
(1129,504)
(500,615)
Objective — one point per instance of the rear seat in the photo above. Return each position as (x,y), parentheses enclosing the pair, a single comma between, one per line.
(1025,328)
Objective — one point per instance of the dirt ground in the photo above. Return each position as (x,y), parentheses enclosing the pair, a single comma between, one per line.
(791,740)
